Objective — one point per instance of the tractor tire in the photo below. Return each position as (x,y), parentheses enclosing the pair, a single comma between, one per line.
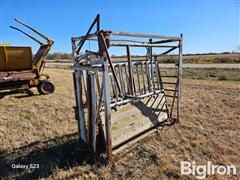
(45,87)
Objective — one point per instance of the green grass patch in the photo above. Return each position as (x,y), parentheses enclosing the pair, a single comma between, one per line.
(205,73)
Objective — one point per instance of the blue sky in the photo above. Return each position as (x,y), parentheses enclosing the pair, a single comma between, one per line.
(207,25)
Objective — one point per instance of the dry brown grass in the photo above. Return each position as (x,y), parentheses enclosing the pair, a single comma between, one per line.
(42,129)
(195,58)
(203,58)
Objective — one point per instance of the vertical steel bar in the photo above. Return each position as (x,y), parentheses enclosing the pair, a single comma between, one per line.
(76,101)
(122,79)
(98,22)
(117,71)
(89,107)
(113,86)
(84,81)
(106,55)
(148,76)
(74,53)
(161,88)
(157,75)
(114,82)
(134,85)
(150,57)
(153,79)
(139,86)
(98,82)
(107,111)
(93,113)
(127,78)
(81,120)
(179,77)
(174,96)
(151,67)
(130,70)
(144,85)
(99,118)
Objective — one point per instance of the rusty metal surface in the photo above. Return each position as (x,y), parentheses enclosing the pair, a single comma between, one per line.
(18,67)
(13,58)
(133,34)
(11,76)
(38,59)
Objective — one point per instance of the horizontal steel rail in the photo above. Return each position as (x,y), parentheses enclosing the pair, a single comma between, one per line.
(132,34)
(142,45)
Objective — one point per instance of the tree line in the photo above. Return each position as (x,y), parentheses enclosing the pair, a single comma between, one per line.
(58,55)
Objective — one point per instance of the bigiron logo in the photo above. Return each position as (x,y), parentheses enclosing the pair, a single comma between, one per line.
(202,171)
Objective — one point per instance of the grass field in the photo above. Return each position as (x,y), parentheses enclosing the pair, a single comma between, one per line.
(42,130)
(204,58)
(206,73)
(194,59)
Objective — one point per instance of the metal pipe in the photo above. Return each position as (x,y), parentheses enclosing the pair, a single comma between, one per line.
(132,34)
(81,121)
(141,45)
(74,53)
(113,87)
(79,38)
(118,40)
(179,77)
(139,86)
(127,79)
(165,41)
(148,78)
(27,35)
(97,82)
(130,70)
(157,75)
(109,60)
(107,111)
(88,32)
(144,85)
(134,98)
(121,79)
(151,64)
(170,50)
(174,96)
(89,68)
(43,36)
(93,113)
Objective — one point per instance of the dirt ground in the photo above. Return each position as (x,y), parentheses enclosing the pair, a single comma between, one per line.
(42,130)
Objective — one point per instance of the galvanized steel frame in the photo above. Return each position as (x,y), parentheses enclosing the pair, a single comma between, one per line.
(86,75)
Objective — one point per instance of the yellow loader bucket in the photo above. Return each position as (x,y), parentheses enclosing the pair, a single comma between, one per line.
(15,58)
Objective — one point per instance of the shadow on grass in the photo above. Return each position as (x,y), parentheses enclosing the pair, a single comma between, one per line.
(60,153)
(20,93)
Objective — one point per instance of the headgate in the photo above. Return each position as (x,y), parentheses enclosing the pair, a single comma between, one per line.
(124,99)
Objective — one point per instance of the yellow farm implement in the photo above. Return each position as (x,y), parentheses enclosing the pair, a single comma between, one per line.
(19,68)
